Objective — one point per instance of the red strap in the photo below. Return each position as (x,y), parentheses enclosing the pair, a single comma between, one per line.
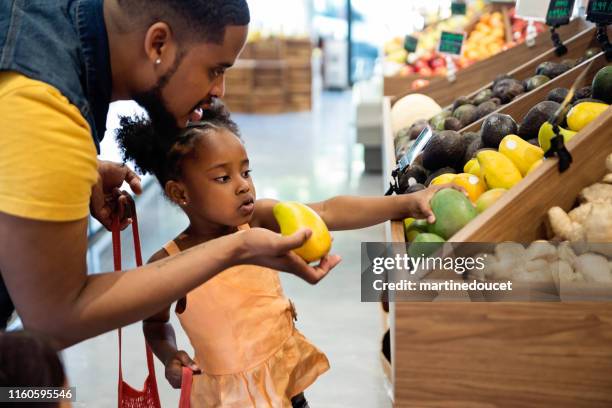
(185,401)
(117,261)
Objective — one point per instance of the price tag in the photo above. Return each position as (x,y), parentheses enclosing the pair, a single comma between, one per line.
(600,11)
(451,43)
(531,10)
(458,8)
(410,43)
(559,12)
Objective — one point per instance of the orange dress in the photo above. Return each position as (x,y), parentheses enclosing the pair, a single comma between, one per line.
(241,328)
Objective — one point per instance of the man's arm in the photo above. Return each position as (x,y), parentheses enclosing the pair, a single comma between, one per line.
(43,266)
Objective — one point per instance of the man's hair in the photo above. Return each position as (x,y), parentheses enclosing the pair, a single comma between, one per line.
(201,20)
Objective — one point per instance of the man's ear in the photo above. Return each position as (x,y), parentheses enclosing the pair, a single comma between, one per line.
(176,191)
(160,44)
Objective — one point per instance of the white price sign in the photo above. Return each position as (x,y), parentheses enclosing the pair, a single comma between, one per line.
(532,9)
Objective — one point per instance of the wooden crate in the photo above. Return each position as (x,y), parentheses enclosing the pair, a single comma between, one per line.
(300,102)
(509,354)
(267,49)
(297,50)
(238,104)
(483,72)
(240,80)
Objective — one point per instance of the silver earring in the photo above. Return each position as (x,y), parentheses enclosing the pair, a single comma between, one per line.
(158,61)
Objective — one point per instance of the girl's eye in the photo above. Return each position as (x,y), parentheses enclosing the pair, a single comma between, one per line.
(222,179)
(247,174)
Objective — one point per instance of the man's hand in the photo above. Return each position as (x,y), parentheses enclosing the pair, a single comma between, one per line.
(174,368)
(106,197)
(266,248)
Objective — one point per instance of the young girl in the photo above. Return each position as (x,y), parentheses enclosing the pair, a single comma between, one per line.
(247,351)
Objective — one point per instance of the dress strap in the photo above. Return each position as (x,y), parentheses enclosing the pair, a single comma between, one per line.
(171,248)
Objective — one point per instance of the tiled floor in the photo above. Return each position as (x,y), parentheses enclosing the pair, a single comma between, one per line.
(305,157)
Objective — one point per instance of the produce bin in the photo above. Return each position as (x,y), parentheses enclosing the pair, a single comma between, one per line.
(509,354)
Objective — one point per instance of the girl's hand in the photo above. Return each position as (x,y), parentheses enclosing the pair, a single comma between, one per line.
(266,248)
(420,206)
(174,368)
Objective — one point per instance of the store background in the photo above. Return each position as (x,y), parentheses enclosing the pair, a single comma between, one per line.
(334,147)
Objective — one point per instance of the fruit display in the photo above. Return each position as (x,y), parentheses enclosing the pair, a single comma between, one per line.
(489,163)
(293,216)
(487,38)
(466,110)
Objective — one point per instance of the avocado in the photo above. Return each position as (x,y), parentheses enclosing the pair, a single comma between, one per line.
(445,149)
(535,82)
(438,172)
(584,92)
(500,78)
(483,96)
(452,124)
(474,146)
(466,114)
(602,84)
(418,160)
(415,172)
(507,89)
(437,122)
(530,126)
(485,108)
(570,62)
(495,127)
(417,127)
(414,188)
(557,95)
(551,69)
(462,100)
(496,101)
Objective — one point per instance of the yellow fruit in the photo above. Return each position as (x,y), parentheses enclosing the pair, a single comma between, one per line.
(472,167)
(472,184)
(535,165)
(292,216)
(583,114)
(488,198)
(443,179)
(498,170)
(522,153)
(545,134)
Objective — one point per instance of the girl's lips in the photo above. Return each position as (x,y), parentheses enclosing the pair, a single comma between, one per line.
(196,115)
(247,209)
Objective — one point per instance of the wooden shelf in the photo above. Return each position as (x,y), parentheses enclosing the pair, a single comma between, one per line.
(509,354)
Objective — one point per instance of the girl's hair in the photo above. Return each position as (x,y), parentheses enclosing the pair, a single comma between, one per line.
(161,154)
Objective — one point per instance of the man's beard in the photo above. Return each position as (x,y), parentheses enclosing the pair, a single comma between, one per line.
(164,123)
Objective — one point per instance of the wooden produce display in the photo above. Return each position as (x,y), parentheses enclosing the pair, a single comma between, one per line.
(275,79)
(483,72)
(510,354)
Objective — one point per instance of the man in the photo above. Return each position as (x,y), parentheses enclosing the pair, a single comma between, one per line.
(61,64)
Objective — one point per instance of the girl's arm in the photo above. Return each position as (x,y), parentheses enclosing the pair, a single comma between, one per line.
(351,212)
(162,339)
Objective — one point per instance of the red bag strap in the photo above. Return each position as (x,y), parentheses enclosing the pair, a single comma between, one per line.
(185,401)
(117,261)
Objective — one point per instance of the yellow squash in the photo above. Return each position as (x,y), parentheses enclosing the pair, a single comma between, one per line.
(535,165)
(522,153)
(472,167)
(583,114)
(443,179)
(497,169)
(546,134)
(472,184)
(292,216)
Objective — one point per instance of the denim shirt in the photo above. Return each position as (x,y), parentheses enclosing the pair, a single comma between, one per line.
(62,43)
